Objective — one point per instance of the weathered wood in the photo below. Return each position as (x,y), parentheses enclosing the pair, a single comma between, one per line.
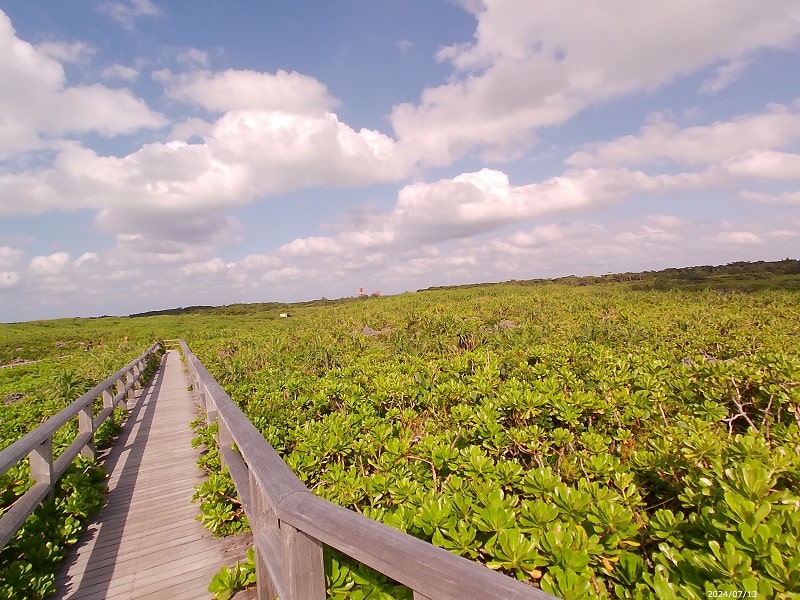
(268,553)
(432,571)
(303,569)
(41,462)
(14,517)
(108,398)
(199,390)
(240,475)
(224,438)
(269,567)
(62,463)
(211,408)
(274,477)
(119,398)
(17,451)
(37,446)
(104,414)
(146,542)
(130,384)
(86,426)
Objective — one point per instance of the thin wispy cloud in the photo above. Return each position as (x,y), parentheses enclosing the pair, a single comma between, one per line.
(724,76)
(194,57)
(121,72)
(405,46)
(125,14)
(67,52)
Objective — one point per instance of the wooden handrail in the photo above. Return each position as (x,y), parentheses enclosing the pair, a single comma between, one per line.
(290,524)
(37,445)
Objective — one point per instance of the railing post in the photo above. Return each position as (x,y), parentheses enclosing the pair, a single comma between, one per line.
(224,437)
(303,567)
(130,383)
(264,523)
(37,445)
(108,398)
(198,386)
(211,410)
(137,371)
(86,425)
(41,462)
(121,393)
(108,402)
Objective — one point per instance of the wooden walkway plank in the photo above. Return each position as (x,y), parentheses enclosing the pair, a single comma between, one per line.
(146,542)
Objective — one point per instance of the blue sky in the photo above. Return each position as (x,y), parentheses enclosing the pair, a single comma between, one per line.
(157,154)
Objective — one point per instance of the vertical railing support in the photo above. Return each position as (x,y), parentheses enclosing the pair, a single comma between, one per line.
(303,567)
(41,462)
(108,401)
(211,411)
(86,425)
(263,523)
(121,393)
(137,371)
(224,438)
(198,386)
(130,383)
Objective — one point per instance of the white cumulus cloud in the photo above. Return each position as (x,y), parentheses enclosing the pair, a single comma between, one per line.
(244,156)
(283,91)
(788,198)
(766,164)
(9,257)
(36,103)
(470,204)
(663,140)
(530,67)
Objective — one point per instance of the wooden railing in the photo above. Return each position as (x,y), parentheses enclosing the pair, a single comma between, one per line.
(290,524)
(37,445)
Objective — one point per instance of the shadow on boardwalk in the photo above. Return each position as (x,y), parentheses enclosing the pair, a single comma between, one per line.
(146,542)
(123,459)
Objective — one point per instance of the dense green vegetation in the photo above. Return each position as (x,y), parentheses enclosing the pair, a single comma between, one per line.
(596,439)
(30,393)
(28,564)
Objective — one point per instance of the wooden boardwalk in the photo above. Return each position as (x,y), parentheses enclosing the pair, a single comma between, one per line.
(146,542)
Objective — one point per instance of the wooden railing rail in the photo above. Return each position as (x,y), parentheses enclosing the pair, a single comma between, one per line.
(37,445)
(290,524)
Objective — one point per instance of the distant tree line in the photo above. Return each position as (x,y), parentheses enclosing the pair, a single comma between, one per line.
(735,276)
(741,276)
